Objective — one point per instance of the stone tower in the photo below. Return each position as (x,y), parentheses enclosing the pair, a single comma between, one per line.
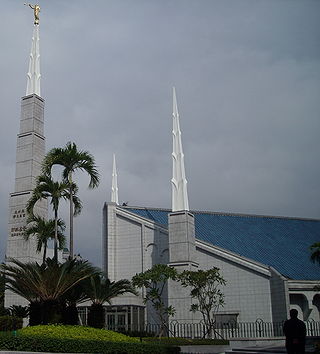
(29,155)
(182,249)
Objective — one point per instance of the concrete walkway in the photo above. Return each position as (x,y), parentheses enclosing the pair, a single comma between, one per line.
(199,349)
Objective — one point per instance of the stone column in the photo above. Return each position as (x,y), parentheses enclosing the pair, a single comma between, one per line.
(109,239)
(182,256)
(29,155)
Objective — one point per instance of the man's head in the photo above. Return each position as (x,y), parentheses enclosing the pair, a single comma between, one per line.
(293,313)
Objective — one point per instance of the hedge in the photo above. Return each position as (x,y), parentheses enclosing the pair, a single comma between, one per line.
(23,343)
(75,332)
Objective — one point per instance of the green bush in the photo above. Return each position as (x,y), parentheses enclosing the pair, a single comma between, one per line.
(65,345)
(139,334)
(74,332)
(10,323)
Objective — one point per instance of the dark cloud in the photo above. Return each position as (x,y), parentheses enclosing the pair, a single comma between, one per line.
(247,80)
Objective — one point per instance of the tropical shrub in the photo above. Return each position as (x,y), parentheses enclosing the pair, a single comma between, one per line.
(19,311)
(99,289)
(45,286)
(10,323)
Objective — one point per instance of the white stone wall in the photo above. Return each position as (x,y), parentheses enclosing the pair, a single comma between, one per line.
(279,296)
(138,244)
(247,291)
(132,245)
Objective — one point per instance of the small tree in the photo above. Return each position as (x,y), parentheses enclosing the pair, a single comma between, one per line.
(154,281)
(205,288)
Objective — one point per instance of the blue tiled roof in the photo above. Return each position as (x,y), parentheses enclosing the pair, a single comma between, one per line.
(280,242)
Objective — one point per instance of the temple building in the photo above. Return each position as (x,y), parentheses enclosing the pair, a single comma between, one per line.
(265,260)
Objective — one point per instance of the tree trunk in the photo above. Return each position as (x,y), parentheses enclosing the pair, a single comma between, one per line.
(70,315)
(56,235)
(44,252)
(35,313)
(96,316)
(71,215)
(52,312)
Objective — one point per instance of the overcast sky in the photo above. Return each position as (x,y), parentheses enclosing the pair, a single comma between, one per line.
(247,76)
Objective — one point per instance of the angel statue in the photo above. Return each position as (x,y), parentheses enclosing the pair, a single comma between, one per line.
(36,10)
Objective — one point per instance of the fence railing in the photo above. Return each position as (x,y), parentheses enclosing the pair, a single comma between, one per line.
(229,330)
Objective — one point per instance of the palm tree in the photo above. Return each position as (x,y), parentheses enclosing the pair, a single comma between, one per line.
(72,160)
(19,311)
(99,289)
(2,288)
(47,188)
(44,230)
(44,286)
(315,252)
(74,297)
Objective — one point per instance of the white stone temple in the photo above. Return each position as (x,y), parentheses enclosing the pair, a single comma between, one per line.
(265,260)
(29,155)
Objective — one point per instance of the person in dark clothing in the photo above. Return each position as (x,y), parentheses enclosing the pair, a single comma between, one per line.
(295,332)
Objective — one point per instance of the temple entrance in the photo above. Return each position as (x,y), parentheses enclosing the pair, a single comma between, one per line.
(119,318)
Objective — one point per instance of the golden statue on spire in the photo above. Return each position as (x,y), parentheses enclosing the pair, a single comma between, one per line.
(36,10)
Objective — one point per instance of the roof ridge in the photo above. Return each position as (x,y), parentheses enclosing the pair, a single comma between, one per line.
(226,213)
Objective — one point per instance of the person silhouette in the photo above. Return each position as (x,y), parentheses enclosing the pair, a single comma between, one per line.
(295,332)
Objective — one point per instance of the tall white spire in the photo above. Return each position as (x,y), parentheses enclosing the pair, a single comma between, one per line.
(179,182)
(33,76)
(114,187)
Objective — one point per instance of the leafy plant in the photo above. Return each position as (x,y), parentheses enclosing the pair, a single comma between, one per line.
(46,188)
(205,288)
(44,230)
(154,281)
(44,286)
(19,311)
(99,289)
